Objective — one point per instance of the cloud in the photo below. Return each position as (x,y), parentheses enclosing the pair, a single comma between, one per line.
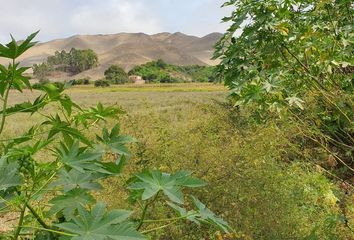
(115,16)
(63,18)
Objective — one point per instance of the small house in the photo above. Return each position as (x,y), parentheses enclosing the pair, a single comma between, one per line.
(136,79)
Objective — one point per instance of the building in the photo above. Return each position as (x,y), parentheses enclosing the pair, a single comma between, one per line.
(136,79)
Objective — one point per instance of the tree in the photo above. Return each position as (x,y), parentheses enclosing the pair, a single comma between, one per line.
(42,71)
(74,62)
(116,75)
(81,60)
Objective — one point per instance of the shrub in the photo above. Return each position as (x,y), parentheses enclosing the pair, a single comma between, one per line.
(295,64)
(102,83)
(42,71)
(116,75)
(159,71)
(74,62)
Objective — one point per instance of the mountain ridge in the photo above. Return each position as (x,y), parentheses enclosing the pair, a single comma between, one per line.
(130,49)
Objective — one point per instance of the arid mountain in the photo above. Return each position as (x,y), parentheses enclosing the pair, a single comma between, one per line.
(130,49)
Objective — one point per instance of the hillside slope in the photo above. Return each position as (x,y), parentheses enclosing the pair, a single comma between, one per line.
(130,49)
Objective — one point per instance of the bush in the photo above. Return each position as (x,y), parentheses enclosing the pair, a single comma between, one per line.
(161,72)
(42,71)
(40,83)
(295,65)
(102,83)
(82,81)
(74,62)
(116,75)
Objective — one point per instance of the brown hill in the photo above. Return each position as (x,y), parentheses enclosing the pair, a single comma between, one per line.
(130,49)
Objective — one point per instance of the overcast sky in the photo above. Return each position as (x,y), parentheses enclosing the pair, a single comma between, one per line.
(64,18)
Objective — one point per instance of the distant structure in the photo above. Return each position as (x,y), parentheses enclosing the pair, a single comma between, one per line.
(136,79)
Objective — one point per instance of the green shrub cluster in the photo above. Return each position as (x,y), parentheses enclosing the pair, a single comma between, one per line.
(102,83)
(73,62)
(116,75)
(161,72)
(295,61)
(41,83)
(82,81)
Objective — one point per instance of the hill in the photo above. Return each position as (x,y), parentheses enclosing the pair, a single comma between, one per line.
(130,49)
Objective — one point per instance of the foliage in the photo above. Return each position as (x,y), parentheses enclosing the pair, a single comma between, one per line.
(116,75)
(261,181)
(294,60)
(31,179)
(161,72)
(290,63)
(73,62)
(102,83)
(42,71)
(98,225)
(82,81)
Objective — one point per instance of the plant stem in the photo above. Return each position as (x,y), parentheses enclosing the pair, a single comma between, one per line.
(6,97)
(168,219)
(51,230)
(158,228)
(20,222)
(37,217)
(34,213)
(141,222)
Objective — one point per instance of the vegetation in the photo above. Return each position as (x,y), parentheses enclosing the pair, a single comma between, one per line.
(42,71)
(41,83)
(254,183)
(54,196)
(82,81)
(292,65)
(102,83)
(116,75)
(161,72)
(73,62)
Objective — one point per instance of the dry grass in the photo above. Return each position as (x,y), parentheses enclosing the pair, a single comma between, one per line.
(180,126)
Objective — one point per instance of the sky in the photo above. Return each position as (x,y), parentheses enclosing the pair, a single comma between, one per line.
(64,18)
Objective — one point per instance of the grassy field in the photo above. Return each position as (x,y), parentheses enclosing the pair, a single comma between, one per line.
(191,127)
(158,87)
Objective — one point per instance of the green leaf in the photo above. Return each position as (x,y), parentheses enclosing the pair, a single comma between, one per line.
(152,182)
(70,202)
(295,101)
(63,127)
(27,107)
(9,174)
(80,160)
(99,225)
(115,142)
(75,179)
(182,212)
(12,50)
(206,215)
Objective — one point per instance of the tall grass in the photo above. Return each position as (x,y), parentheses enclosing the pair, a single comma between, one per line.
(258,179)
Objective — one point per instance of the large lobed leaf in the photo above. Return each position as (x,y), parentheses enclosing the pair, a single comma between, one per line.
(99,225)
(201,215)
(9,174)
(12,50)
(152,182)
(74,179)
(69,203)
